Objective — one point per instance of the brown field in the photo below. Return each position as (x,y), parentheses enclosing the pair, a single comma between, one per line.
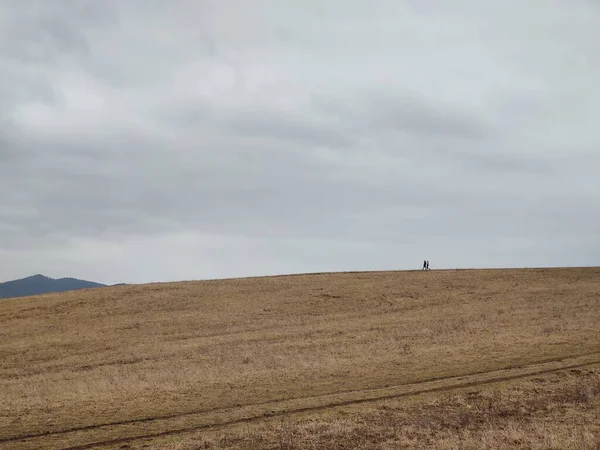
(440,359)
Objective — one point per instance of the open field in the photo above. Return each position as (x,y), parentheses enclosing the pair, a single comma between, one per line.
(308,361)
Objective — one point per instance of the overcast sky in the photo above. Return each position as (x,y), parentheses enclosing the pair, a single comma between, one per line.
(151,140)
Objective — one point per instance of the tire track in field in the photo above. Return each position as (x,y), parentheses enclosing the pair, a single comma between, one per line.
(215,418)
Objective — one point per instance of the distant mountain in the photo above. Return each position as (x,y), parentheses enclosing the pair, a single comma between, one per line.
(39,284)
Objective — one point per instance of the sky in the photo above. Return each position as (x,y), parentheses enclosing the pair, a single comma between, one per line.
(147,140)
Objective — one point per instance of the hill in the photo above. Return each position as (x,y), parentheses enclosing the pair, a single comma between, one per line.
(442,359)
(40,284)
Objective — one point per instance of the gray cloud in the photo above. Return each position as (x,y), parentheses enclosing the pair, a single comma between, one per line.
(408,114)
(149,140)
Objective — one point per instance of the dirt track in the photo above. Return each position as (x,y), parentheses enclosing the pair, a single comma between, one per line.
(103,434)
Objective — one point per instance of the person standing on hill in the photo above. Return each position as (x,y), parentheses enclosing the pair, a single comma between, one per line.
(427,265)
(424,265)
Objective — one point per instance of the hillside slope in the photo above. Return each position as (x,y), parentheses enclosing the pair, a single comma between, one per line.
(40,284)
(147,360)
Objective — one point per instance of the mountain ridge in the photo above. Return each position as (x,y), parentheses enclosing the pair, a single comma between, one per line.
(40,284)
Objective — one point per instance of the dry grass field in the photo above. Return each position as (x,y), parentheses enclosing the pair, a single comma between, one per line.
(439,359)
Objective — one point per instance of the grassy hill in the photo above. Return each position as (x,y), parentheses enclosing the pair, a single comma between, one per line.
(304,361)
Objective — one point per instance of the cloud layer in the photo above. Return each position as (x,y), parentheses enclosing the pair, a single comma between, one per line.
(150,140)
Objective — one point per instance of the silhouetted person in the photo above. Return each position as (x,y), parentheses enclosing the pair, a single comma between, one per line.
(427,264)
(424,265)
